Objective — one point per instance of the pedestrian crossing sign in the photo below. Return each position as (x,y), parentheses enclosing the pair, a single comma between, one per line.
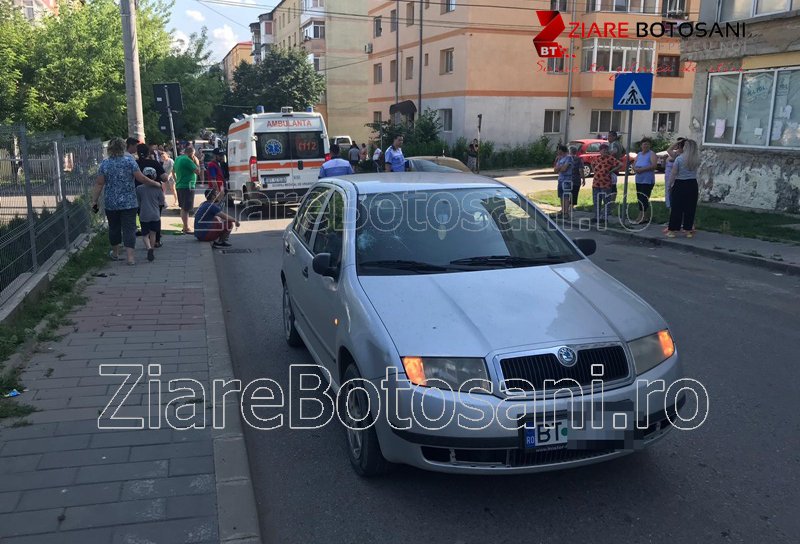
(633,91)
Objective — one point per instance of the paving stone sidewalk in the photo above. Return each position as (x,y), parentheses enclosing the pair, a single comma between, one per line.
(63,480)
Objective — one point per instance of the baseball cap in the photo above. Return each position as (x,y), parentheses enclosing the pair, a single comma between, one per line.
(218,151)
(149,172)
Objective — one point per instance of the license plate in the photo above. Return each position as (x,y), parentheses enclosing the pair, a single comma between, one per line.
(552,434)
(273,180)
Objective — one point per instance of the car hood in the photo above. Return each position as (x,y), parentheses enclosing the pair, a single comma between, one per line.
(475,313)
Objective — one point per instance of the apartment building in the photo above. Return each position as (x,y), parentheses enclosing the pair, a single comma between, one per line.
(262,36)
(36,9)
(333,33)
(239,53)
(480,59)
(746,108)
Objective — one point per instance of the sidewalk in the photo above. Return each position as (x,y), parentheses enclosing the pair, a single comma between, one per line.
(64,480)
(776,256)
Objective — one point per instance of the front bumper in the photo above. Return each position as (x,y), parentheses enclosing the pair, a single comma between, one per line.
(614,423)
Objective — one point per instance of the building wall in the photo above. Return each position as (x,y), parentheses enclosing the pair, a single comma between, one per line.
(497,72)
(747,176)
(241,52)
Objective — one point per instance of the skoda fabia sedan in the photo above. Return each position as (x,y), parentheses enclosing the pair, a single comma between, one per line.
(462,331)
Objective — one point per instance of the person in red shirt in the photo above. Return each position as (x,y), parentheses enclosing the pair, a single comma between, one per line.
(602,186)
(216,176)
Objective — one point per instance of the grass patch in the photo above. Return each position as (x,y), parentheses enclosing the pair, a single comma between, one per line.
(737,222)
(62,295)
(9,408)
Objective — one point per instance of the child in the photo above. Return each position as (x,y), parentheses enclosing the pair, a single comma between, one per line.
(151,202)
(604,166)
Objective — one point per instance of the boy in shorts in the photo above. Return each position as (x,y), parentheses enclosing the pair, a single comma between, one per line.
(151,202)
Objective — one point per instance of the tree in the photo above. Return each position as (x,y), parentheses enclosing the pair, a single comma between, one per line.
(284,77)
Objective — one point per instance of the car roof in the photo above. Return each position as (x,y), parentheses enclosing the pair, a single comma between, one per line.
(589,141)
(398,182)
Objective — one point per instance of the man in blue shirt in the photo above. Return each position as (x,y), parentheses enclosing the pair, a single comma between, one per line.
(395,162)
(211,224)
(337,166)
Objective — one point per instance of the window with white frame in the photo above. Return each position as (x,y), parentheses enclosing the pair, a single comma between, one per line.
(448,6)
(314,31)
(446,61)
(675,8)
(552,121)
(558,5)
(731,10)
(313,4)
(555,65)
(609,55)
(317,63)
(627,6)
(377,73)
(605,120)
(393,71)
(759,108)
(409,67)
(377,24)
(665,121)
(377,116)
(446,117)
(410,14)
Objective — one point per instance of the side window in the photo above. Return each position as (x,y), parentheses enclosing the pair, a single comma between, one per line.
(593,148)
(330,233)
(308,213)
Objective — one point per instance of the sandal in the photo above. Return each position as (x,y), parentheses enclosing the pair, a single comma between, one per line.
(690,234)
(131,263)
(671,234)
(112,256)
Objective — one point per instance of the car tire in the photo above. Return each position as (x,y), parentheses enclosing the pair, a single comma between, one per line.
(363,448)
(587,170)
(290,332)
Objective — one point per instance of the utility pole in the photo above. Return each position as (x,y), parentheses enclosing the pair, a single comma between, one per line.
(171,124)
(419,60)
(571,61)
(397,53)
(133,87)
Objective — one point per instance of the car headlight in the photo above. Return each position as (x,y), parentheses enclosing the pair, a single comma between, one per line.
(651,351)
(454,371)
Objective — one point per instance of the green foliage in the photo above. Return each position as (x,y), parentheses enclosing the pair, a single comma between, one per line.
(67,72)
(536,153)
(283,78)
(661,142)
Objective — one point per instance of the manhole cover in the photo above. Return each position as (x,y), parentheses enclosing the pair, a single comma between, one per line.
(236,250)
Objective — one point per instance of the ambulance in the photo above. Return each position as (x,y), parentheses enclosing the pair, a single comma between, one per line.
(276,157)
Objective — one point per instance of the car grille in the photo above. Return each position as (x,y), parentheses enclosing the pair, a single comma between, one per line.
(534,370)
(509,457)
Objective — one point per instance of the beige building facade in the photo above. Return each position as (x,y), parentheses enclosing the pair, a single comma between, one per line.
(480,60)
(334,42)
(239,53)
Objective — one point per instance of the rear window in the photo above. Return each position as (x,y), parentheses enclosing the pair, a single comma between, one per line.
(282,146)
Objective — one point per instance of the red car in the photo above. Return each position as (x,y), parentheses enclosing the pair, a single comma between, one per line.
(589,150)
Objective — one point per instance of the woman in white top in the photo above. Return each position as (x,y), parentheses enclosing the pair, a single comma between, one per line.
(168,165)
(683,179)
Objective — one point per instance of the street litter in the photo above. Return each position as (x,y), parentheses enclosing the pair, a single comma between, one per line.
(12,393)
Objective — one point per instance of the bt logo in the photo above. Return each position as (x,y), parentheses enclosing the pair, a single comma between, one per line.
(544,42)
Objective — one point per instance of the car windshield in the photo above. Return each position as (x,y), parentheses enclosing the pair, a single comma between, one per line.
(454,231)
(423,165)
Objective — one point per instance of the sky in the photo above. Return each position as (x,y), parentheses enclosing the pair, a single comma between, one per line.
(227,24)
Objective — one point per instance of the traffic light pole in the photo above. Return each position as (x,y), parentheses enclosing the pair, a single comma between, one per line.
(171,125)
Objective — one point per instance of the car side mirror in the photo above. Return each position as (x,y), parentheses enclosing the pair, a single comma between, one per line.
(300,165)
(322,266)
(586,245)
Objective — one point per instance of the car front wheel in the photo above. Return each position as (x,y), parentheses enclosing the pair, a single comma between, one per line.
(290,332)
(363,448)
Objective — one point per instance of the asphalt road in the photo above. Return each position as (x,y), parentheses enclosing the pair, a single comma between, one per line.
(735,479)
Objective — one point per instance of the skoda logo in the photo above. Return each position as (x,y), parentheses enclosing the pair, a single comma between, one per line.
(567,356)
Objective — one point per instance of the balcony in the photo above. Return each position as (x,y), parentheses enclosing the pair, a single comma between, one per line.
(312,10)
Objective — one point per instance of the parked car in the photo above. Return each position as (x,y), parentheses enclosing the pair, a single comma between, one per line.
(589,150)
(435,164)
(344,142)
(401,282)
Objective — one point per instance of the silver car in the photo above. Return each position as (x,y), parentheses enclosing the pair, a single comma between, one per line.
(462,331)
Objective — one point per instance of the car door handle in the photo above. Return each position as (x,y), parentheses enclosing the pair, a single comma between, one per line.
(305,272)
(286,247)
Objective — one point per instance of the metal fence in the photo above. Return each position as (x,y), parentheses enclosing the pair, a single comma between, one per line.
(45,188)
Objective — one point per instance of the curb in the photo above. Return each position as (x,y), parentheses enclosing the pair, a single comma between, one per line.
(237,515)
(776,266)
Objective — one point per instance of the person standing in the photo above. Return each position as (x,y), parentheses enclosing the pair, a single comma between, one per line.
(167,164)
(376,159)
(394,159)
(645,169)
(684,191)
(117,181)
(151,202)
(672,153)
(337,166)
(602,183)
(472,156)
(353,154)
(130,147)
(186,169)
(616,150)
(578,178)
(216,176)
(144,161)
(563,168)
(364,154)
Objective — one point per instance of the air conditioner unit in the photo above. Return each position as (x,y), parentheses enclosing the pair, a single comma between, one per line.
(368,48)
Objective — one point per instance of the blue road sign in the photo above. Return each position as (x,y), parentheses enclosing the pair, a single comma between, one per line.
(633,91)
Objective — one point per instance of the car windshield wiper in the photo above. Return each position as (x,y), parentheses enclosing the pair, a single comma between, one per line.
(412,266)
(508,260)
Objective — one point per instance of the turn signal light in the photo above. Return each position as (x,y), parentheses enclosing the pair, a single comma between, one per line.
(327,157)
(667,345)
(415,370)
(253,169)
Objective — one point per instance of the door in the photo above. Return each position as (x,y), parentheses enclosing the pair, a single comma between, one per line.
(327,313)
(297,253)
(308,154)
